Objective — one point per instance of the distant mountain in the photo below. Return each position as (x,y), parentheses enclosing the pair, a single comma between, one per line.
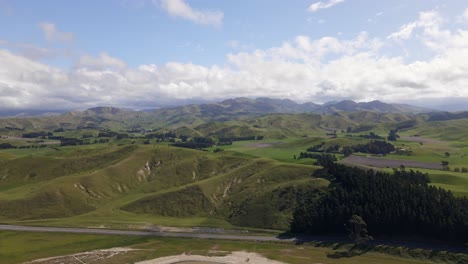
(231,109)
(267,105)
(244,108)
(444,116)
(193,115)
(453,107)
(240,106)
(102,110)
(449,104)
(30,113)
(375,106)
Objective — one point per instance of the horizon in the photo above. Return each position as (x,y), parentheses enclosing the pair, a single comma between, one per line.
(45,112)
(58,56)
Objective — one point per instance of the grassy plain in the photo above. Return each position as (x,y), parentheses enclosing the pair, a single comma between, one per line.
(431,150)
(16,247)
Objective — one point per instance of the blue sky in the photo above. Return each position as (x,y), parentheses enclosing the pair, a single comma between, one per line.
(142,53)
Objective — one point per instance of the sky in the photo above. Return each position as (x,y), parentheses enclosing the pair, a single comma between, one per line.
(141,54)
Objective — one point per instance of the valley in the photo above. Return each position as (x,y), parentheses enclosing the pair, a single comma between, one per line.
(237,167)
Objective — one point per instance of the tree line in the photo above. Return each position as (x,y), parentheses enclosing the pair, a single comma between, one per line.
(372,147)
(401,203)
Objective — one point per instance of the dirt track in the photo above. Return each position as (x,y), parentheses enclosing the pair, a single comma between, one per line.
(389,163)
(93,256)
(238,257)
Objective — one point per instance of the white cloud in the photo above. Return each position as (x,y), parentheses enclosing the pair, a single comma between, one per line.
(429,22)
(302,69)
(323,5)
(51,33)
(429,29)
(404,32)
(179,8)
(314,51)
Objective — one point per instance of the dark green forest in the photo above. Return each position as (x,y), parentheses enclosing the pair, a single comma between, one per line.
(400,204)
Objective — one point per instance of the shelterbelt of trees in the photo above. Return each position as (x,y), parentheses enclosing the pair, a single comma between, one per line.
(402,203)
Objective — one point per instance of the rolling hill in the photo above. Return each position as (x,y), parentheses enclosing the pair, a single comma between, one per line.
(126,171)
(131,182)
(196,114)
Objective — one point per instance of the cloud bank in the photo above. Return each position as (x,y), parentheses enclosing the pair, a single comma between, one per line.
(302,69)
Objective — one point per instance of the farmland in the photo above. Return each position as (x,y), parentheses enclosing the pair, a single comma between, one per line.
(247,175)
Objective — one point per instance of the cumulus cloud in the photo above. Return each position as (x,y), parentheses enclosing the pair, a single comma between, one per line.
(323,5)
(302,69)
(429,22)
(179,8)
(429,28)
(51,33)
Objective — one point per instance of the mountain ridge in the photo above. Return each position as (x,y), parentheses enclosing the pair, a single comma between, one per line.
(264,105)
(260,105)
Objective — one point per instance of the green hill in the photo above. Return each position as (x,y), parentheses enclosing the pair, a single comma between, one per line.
(150,182)
(124,172)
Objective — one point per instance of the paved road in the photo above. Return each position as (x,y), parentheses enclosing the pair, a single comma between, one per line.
(324,239)
(140,233)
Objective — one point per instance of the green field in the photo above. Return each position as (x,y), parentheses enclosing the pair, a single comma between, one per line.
(16,247)
(139,183)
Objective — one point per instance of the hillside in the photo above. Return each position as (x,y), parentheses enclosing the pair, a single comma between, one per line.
(150,183)
(83,168)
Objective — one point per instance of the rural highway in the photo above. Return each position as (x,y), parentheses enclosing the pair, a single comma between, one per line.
(325,239)
(74,230)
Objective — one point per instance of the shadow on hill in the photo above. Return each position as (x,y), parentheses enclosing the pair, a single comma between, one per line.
(343,248)
(341,244)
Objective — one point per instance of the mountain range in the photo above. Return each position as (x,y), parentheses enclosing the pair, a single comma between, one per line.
(251,107)
(233,117)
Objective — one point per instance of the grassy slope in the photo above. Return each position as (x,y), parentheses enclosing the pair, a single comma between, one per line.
(90,184)
(155,184)
(231,181)
(238,174)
